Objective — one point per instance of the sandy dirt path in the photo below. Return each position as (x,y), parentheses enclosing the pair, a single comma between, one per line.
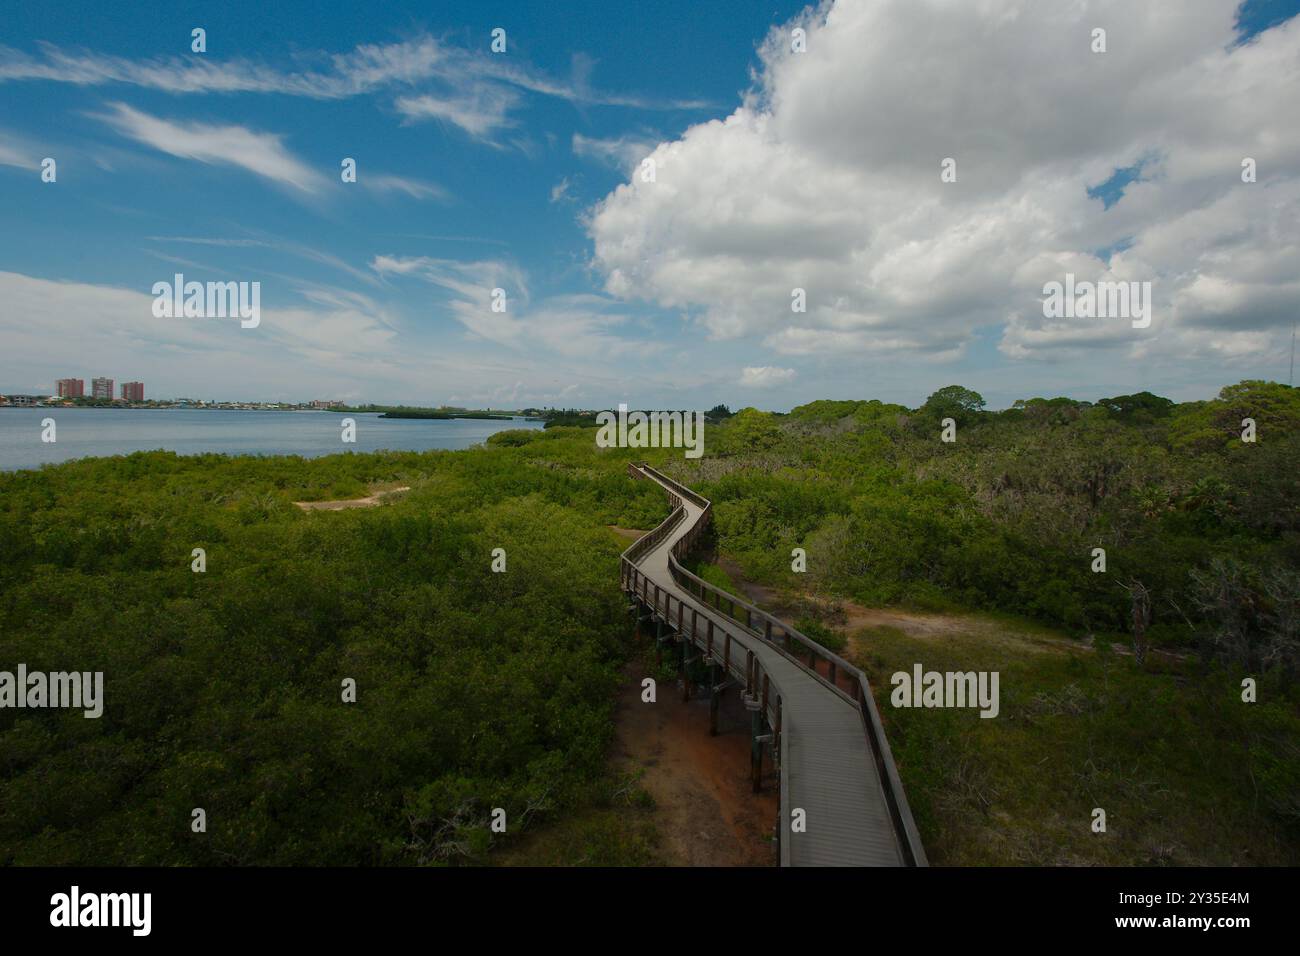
(368,502)
(931,625)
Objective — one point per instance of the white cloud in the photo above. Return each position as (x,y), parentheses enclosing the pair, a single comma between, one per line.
(16,152)
(765,376)
(827,178)
(415,188)
(52,323)
(471,285)
(366,68)
(576,326)
(332,338)
(621,152)
(259,153)
(470,88)
(480,111)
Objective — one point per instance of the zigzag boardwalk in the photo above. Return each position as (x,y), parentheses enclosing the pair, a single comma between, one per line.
(812,711)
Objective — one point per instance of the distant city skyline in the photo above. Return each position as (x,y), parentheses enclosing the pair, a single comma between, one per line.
(872,212)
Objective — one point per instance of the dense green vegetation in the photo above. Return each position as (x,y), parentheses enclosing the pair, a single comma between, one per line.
(441,416)
(1201,589)
(1200,526)
(1186,773)
(478,690)
(441,413)
(223,689)
(570,419)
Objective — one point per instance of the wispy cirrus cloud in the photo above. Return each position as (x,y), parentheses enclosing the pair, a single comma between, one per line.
(9,156)
(576,88)
(301,250)
(480,111)
(432,79)
(415,188)
(367,68)
(620,152)
(575,326)
(560,191)
(473,281)
(16,151)
(260,153)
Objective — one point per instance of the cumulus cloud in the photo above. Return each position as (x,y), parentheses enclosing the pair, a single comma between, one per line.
(765,376)
(827,178)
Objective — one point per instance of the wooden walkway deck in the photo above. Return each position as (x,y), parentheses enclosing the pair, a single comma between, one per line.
(813,711)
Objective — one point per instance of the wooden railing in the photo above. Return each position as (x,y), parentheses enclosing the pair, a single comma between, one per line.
(832,671)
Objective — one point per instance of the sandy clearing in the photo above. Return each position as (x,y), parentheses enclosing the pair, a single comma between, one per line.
(932,625)
(368,502)
(705,810)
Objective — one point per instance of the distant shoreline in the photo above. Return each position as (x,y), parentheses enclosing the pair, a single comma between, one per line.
(468,416)
(159,407)
(446,416)
(380,411)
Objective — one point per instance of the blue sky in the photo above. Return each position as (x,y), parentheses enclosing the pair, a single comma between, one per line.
(517,170)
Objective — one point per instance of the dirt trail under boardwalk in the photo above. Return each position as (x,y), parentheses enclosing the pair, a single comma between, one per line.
(706,811)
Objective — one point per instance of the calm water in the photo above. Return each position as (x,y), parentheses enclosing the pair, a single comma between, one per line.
(83,432)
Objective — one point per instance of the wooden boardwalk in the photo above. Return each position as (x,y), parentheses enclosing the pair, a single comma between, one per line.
(812,712)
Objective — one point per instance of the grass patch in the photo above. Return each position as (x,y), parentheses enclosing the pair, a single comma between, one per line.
(1080,729)
(833,641)
(716,576)
(618,830)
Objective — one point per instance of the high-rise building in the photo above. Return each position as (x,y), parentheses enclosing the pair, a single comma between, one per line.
(72,388)
(101,388)
(133,391)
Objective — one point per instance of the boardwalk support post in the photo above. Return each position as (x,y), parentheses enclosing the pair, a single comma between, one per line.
(686,670)
(715,697)
(776,736)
